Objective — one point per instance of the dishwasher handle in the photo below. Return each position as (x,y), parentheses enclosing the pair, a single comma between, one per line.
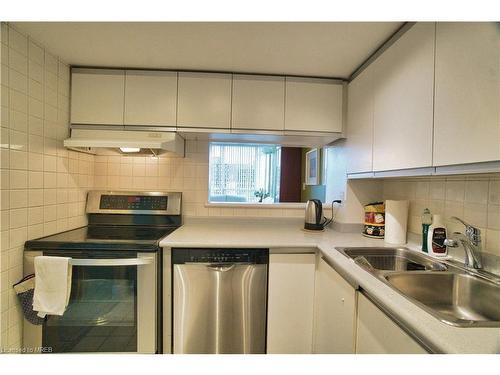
(218,266)
(221,267)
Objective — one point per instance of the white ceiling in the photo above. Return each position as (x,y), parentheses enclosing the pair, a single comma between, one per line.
(331,49)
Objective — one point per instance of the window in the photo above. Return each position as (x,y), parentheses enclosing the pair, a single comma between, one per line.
(244,173)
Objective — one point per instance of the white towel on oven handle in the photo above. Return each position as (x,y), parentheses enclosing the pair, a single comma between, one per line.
(52,285)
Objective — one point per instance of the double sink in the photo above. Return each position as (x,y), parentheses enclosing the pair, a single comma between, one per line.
(452,294)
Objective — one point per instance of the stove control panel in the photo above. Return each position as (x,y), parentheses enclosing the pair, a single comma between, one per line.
(133,202)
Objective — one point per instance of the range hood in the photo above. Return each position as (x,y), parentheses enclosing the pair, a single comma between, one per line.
(152,142)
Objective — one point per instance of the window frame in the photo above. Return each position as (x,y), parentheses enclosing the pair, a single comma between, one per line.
(273,178)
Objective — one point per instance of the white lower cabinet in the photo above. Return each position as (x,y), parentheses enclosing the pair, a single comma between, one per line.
(290,303)
(378,334)
(334,312)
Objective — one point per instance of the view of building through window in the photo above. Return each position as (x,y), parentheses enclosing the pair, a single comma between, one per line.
(244,173)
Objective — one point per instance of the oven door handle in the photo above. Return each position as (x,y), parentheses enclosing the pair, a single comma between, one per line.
(112,262)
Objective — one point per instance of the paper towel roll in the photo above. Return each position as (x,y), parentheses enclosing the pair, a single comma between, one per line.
(396,221)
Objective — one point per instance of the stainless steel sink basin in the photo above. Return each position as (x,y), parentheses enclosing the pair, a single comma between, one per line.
(456,298)
(391,259)
(451,293)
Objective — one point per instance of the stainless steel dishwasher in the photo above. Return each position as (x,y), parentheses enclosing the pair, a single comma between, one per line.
(219,300)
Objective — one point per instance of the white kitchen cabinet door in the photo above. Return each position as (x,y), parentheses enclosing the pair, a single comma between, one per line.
(313,105)
(204,100)
(403,101)
(150,98)
(258,102)
(378,334)
(290,303)
(97,96)
(335,312)
(467,102)
(359,129)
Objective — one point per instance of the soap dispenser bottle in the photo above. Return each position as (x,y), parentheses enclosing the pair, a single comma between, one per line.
(436,236)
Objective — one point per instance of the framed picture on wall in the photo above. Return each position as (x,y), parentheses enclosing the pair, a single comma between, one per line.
(312,167)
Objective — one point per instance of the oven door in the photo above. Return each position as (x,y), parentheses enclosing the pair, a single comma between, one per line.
(112,308)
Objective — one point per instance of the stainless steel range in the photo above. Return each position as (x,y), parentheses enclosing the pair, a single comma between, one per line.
(116,294)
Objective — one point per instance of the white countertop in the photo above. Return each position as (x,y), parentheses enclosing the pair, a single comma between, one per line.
(288,233)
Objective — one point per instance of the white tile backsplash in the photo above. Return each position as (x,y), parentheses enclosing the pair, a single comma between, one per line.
(437,189)
(494,192)
(476,199)
(18,41)
(493,217)
(172,173)
(35,52)
(35,71)
(43,186)
(17,62)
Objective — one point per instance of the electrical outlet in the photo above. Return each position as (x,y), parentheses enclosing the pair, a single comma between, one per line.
(341,196)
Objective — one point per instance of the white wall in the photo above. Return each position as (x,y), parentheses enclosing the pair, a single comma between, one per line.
(354,193)
(43,185)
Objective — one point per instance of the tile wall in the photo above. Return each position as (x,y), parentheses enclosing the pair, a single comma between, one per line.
(188,175)
(476,199)
(43,185)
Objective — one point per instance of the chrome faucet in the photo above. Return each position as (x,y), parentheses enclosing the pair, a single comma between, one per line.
(471,242)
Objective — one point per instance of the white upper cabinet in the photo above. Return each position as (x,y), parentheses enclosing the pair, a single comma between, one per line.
(150,98)
(258,102)
(359,129)
(467,102)
(313,105)
(403,101)
(97,96)
(204,100)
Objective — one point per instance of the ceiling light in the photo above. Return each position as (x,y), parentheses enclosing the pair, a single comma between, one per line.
(130,149)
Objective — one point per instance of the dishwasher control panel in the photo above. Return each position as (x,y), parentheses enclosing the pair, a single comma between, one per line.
(218,255)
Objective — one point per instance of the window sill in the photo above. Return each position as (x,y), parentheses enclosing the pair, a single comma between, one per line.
(256,205)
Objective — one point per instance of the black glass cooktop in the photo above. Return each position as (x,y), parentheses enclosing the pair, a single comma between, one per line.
(101,237)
